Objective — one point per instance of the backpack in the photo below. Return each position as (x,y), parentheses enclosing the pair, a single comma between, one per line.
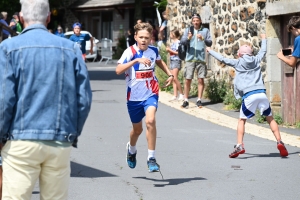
(183,48)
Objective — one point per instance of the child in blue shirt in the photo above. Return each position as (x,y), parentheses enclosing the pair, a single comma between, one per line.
(81,39)
(293,27)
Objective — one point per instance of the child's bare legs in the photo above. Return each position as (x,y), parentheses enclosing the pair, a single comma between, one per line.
(241,130)
(176,83)
(274,127)
(280,145)
(151,127)
(137,129)
(239,148)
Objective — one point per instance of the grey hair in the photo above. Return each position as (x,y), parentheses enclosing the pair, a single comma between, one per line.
(35,11)
(4,14)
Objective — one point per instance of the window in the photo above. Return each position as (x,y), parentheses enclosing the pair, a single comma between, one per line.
(106,25)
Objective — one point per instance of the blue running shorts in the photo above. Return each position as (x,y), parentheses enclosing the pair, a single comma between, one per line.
(137,109)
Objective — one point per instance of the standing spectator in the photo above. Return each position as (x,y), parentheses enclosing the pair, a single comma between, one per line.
(45,99)
(2,21)
(130,38)
(293,27)
(15,23)
(163,28)
(175,64)
(81,39)
(60,32)
(154,32)
(160,41)
(196,37)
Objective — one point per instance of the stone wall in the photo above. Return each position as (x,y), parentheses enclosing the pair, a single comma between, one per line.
(233,23)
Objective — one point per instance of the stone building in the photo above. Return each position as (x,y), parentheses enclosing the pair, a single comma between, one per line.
(106,18)
(236,22)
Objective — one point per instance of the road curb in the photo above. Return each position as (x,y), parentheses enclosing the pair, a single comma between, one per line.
(226,121)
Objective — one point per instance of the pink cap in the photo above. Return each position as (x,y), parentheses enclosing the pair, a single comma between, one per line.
(245,49)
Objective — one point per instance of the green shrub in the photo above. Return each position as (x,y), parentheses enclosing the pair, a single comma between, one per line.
(298,125)
(278,119)
(216,90)
(121,46)
(260,118)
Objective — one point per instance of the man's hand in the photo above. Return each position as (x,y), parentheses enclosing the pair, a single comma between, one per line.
(190,35)
(200,37)
(91,51)
(208,49)
(12,24)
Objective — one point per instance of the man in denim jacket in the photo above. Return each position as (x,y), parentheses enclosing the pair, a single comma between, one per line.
(45,98)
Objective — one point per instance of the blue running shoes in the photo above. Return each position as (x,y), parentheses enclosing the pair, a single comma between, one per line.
(152,165)
(130,158)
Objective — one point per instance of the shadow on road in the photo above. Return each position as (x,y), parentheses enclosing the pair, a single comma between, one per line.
(79,170)
(105,75)
(174,181)
(264,155)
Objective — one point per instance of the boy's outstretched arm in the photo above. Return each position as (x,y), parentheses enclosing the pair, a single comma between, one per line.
(121,68)
(161,64)
(227,61)
(263,49)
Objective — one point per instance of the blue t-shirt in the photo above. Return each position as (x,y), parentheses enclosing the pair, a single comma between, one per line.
(60,34)
(296,52)
(2,21)
(81,40)
(164,24)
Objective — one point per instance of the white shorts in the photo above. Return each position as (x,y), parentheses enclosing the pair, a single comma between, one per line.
(250,104)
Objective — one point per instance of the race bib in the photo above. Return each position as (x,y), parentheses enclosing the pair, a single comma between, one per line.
(143,75)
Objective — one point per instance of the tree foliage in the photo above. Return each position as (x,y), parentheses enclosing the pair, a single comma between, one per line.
(12,6)
(162,4)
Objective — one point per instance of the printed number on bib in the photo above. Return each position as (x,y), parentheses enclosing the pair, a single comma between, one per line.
(144,75)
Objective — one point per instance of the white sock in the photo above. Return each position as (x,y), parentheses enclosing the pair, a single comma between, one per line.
(151,154)
(198,99)
(132,149)
(186,100)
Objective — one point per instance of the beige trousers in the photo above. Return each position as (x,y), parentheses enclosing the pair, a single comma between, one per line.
(24,162)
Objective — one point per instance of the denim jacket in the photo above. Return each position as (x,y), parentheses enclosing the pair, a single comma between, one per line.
(45,92)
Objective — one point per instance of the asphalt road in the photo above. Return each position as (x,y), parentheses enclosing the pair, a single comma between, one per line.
(192,153)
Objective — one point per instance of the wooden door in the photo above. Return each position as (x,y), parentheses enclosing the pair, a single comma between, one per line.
(290,80)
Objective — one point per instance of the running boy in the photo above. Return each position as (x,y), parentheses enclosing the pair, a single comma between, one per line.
(138,63)
(293,27)
(175,64)
(249,85)
(81,39)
